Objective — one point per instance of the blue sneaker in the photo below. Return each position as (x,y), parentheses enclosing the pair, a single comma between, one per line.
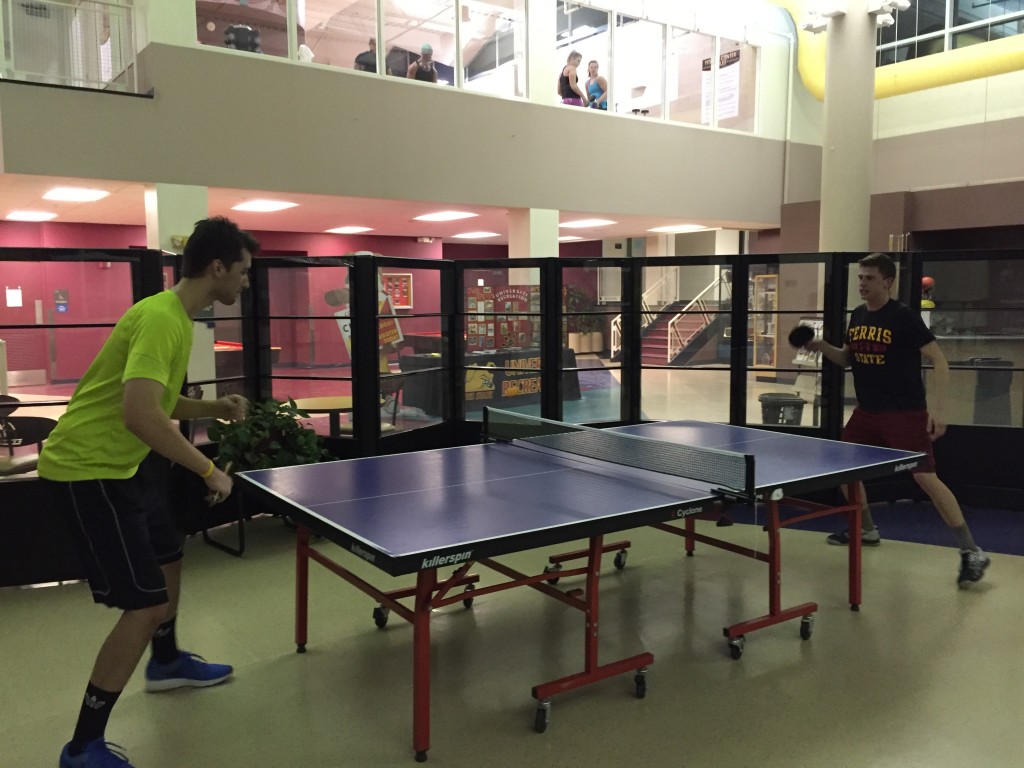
(189,670)
(97,754)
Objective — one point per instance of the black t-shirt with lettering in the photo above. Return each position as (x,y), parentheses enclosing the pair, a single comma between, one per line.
(885,348)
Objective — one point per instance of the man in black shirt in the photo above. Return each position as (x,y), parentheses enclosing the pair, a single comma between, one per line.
(883,347)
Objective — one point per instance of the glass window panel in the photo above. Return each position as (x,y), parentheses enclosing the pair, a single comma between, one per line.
(984,395)
(410,26)
(776,401)
(638,79)
(593,393)
(685,394)
(257,27)
(737,86)
(687,80)
(494,47)
(585,30)
(339,33)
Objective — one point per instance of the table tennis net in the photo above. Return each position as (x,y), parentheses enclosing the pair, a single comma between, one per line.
(727,470)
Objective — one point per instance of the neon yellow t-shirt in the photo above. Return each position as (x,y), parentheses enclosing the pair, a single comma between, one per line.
(153,340)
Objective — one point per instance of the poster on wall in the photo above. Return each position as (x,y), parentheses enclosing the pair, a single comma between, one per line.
(728,87)
(399,288)
(508,327)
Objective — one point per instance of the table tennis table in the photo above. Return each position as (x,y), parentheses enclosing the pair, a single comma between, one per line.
(541,484)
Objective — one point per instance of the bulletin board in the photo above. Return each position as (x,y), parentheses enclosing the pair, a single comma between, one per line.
(398,286)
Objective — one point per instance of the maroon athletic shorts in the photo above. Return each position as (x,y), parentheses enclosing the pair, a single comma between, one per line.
(903,430)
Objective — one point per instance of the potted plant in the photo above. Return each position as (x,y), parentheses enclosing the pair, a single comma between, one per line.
(272,435)
(584,330)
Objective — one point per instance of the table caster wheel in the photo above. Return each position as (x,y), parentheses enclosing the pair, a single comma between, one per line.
(620,559)
(640,681)
(736,646)
(380,616)
(468,600)
(542,717)
(806,627)
(300,648)
(421,756)
(553,568)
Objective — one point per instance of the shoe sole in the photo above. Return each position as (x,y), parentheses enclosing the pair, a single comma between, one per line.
(156,686)
(964,583)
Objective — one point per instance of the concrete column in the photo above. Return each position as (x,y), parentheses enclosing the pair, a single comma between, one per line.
(532,232)
(542,63)
(847,164)
(160,21)
(171,213)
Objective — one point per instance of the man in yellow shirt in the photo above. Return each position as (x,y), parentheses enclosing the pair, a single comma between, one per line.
(101,467)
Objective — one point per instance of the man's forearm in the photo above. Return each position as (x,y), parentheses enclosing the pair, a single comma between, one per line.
(188,408)
(939,387)
(835,354)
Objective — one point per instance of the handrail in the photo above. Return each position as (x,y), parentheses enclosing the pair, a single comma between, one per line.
(649,315)
(702,309)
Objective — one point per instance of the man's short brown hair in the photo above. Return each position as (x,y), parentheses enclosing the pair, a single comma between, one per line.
(882,262)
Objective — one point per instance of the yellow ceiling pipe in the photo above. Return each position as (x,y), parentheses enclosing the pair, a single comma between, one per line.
(969,63)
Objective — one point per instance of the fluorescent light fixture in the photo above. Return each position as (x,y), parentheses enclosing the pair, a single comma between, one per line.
(567,238)
(676,228)
(349,230)
(476,235)
(30,216)
(75,194)
(263,206)
(445,216)
(586,223)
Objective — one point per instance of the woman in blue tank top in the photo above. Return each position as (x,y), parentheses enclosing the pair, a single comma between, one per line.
(597,88)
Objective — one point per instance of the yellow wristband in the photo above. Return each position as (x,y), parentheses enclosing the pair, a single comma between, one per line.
(209,471)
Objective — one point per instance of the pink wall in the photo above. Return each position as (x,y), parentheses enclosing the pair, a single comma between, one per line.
(95,294)
(48,234)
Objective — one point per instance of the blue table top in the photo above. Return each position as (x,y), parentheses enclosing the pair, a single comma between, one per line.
(405,512)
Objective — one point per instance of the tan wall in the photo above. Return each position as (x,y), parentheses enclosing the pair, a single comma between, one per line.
(223,118)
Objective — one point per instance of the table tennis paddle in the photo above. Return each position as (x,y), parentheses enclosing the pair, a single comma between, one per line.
(800,336)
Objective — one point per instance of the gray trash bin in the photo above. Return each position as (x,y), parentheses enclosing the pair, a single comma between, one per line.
(781,408)
(991,389)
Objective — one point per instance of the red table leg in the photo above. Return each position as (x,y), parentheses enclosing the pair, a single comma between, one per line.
(301,588)
(426,583)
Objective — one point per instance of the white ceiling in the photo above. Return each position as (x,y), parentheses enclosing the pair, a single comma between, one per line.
(314,213)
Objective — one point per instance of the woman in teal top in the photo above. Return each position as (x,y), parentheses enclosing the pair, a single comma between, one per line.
(597,88)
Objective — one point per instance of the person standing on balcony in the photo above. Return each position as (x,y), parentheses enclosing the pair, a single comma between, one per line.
(884,345)
(423,68)
(597,88)
(569,82)
(101,468)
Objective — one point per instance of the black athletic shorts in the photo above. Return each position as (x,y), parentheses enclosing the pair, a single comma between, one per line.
(125,532)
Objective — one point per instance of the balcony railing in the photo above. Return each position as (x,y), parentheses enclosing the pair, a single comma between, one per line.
(88,44)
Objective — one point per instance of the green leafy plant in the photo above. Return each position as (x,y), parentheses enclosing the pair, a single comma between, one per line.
(577,301)
(272,435)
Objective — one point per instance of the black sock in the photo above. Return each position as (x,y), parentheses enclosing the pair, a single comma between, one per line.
(92,719)
(165,644)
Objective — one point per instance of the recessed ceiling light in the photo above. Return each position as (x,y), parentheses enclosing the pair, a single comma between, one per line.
(476,235)
(263,206)
(584,223)
(567,238)
(30,216)
(445,216)
(75,194)
(676,228)
(349,230)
